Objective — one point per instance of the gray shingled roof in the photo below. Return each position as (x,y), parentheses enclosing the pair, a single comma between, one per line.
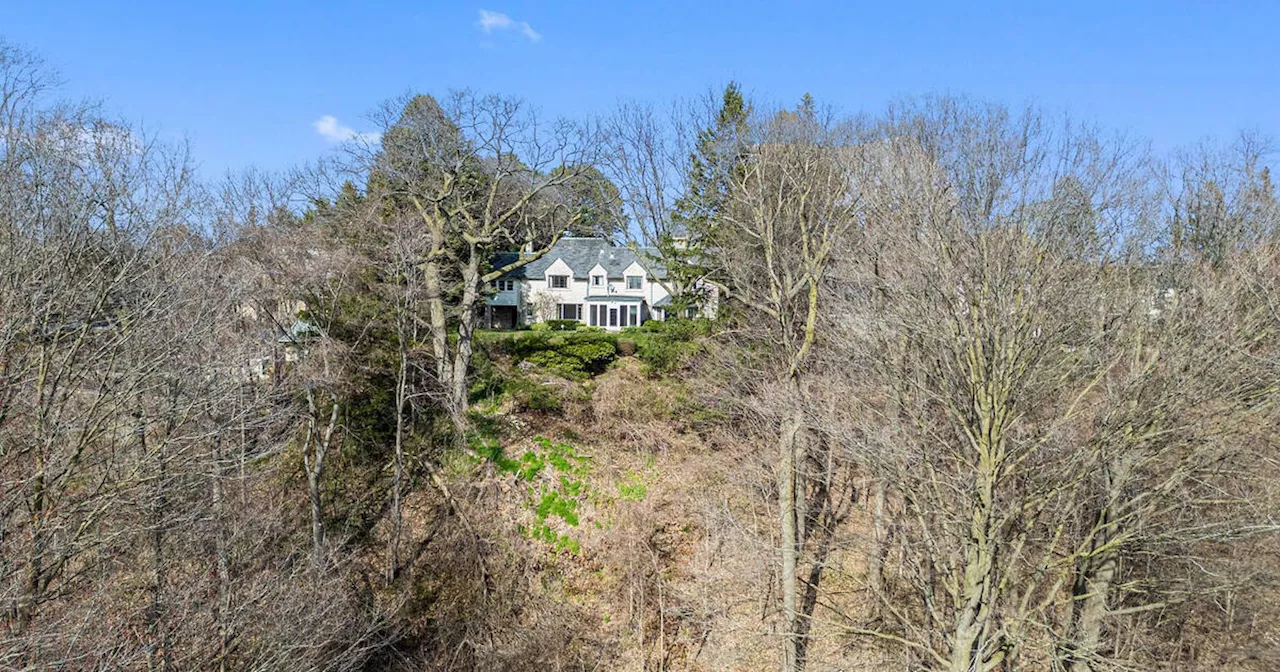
(582,255)
(298,332)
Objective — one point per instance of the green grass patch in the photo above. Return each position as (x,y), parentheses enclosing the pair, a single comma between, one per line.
(554,475)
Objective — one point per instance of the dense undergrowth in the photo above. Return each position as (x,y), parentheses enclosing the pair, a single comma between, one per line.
(606,493)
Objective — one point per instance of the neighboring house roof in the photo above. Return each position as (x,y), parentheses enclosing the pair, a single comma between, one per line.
(298,332)
(663,302)
(582,255)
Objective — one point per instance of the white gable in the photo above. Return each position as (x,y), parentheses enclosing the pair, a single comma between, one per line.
(598,271)
(635,269)
(558,267)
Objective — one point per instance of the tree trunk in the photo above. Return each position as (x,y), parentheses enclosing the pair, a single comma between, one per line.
(398,479)
(467,317)
(968,647)
(158,649)
(30,593)
(1095,573)
(222,610)
(1093,585)
(34,575)
(451,364)
(314,453)
(438,325)
(789,436)
(879,539)
(822,523)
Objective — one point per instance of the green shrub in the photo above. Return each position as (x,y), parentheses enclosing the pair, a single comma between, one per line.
(660,355)
(517,345)
(594,355)
(487,381)
(664,346)
(626,347)
(572,354)
(679,329)
(633,488)
(529,395)
(559,363)
(574,359)
(562,325)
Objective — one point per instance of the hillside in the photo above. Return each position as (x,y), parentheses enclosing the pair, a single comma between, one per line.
(669,563)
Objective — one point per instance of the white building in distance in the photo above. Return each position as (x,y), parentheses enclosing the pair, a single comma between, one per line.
(590,280)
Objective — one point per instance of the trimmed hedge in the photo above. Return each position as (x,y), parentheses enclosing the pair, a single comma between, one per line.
(568,349)
(574,354)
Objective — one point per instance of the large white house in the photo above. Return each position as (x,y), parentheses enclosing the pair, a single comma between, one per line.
(586,279)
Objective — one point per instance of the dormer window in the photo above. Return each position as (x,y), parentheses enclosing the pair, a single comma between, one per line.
(505,285)
(633,281)
(597,280)
(559,281)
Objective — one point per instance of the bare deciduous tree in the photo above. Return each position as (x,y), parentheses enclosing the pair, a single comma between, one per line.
(790,207)
(483,176)
(1013,328)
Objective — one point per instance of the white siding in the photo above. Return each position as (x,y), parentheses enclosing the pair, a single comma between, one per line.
(536,294)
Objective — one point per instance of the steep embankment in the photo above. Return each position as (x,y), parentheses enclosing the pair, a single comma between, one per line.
(640,512)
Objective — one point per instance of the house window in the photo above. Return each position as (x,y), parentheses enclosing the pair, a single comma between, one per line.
(633,281)
(570,311)
(613,317)
(635,316)
(559,281)
(595,317)
(505,285)
(597,280)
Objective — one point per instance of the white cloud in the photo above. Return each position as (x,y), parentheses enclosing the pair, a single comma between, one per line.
(492,21)
(332,130)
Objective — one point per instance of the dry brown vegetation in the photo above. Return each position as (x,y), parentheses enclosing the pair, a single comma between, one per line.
(986,390)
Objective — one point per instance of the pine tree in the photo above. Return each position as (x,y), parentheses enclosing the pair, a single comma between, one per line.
(711,165)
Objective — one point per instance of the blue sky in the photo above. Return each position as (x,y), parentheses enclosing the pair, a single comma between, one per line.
(246,81)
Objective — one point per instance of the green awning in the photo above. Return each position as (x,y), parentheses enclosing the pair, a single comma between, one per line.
(614,298)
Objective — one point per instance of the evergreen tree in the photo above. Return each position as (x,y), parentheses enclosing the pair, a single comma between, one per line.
(712,163)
